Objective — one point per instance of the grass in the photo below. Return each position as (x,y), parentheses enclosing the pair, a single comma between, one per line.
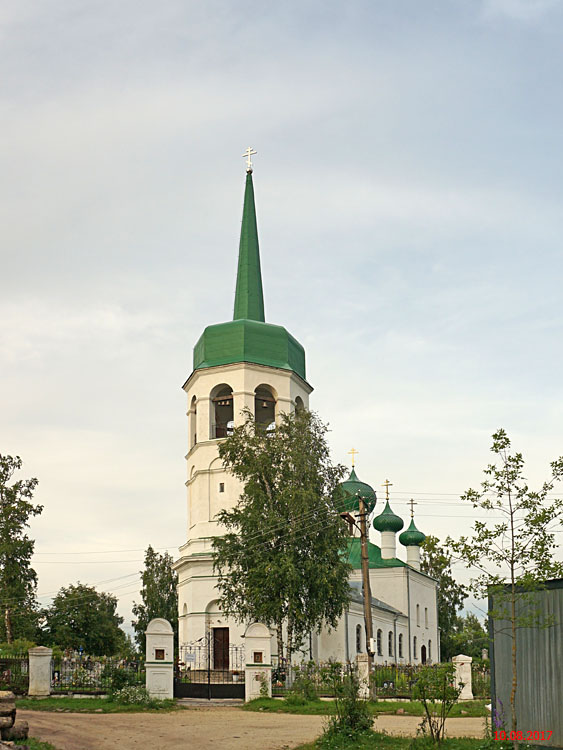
(326,708)
(90,705)
(382,741)
(34,744)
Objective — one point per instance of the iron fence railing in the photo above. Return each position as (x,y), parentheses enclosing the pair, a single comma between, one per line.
(14,673)
(89,674)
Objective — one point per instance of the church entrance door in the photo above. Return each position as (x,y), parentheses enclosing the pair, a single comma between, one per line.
(220,648)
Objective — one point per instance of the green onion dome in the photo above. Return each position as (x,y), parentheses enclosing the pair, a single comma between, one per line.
(387,520)
(347,492)
(412,537)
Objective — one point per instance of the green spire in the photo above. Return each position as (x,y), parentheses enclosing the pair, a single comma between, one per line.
(249,298)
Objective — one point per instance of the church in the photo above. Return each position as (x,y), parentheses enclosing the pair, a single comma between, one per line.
(248,363)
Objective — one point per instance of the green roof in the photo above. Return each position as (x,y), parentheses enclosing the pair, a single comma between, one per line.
(412,537)
(347,494)
(374,556)
(387,520)
(248,338)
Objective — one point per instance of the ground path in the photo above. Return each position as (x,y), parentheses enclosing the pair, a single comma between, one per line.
(206,727)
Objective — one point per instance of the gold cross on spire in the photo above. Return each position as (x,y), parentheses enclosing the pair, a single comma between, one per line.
(412,503)
(247,155)
(387,484)
(353,453)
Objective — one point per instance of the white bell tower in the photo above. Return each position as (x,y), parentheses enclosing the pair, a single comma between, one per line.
(244,363)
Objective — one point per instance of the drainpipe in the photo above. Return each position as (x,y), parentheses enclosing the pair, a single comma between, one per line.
(395,637)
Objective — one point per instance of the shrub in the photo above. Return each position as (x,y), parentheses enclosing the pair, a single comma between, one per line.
(435,689)
(353,717)
(133,695)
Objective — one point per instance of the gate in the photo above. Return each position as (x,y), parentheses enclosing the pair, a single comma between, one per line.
(211,668)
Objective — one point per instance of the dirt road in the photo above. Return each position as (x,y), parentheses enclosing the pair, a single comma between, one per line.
(218,728)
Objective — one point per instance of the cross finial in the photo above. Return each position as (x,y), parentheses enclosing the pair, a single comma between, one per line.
(247,155)
(387,484)
(353,453)
(412,503)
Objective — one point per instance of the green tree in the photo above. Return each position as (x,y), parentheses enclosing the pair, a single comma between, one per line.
(437,562)
(435,689)
(470,637)
(281,560)
(81,616)
(514,555)
(18,580)
(159,594)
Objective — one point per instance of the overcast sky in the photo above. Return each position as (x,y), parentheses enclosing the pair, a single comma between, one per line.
(409,193)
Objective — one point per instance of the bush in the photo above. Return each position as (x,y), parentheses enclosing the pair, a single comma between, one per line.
(435,689)
(353,717)
(133,695)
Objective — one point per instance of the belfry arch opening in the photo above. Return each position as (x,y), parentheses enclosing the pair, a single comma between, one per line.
(222,411)
(192,421)
(265,407)
(299,405)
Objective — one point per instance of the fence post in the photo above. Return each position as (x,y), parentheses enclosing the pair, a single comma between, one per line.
(159,661)
(40,671)
(362,664)
(462,666)
(258,668)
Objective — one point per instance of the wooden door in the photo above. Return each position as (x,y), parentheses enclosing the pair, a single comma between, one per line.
(220,648)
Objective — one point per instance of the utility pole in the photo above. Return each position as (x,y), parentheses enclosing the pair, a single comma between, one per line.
(365,577)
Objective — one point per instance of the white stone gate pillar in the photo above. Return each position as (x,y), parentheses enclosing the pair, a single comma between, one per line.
(462,666)
(258,668)
(40,671)
(159,661)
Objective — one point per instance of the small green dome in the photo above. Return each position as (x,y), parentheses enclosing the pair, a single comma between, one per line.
(387,520)
(347,495)
(412,537)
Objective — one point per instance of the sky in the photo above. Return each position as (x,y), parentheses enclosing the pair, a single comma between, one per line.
(408,186)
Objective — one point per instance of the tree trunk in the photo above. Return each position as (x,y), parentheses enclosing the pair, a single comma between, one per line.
(514,666)
(279,632)
(8,624)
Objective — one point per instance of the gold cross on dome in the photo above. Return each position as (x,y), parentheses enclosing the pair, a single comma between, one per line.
(412,503)
(353,453)
(247,155)
(387,484)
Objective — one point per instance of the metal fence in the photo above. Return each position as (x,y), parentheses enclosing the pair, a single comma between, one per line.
(14,673)
(211,669)
(92,675)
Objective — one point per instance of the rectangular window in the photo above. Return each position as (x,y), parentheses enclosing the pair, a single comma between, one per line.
(425,617)
(221,486)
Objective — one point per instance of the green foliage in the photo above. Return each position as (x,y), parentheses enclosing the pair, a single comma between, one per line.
(353,717)
(17,647)
(436,690)
(118,678)
(272,566)
(91,705)
(136,695)
(18,580)
(437,562)
(469,636)
(515,555)
(32,744)
(81,616)
(159,593)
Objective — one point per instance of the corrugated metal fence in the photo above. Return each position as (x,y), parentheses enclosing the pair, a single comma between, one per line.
(539,696)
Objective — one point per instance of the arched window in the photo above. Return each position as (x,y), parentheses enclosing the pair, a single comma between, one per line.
(418,614)
(423,654)
(265,407)
(299,405)
(425,617)
(390,643)
(379,643)
(414,651)
(358,639)
(222,422)
(400,645)
(192,420)
(429,650)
